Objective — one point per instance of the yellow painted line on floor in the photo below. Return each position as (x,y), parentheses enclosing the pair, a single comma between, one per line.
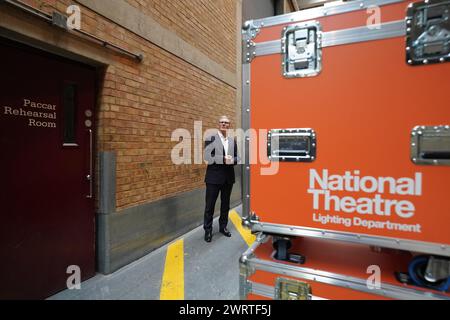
(245,233)
(172,286)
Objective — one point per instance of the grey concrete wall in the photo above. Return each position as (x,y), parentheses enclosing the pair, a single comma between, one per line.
(256,9)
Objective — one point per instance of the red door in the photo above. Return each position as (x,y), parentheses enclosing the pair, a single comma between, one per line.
(46,144)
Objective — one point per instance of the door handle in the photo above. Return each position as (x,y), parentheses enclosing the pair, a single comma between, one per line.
(89,176)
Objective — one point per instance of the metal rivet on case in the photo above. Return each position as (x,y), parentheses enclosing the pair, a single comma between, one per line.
(409,61)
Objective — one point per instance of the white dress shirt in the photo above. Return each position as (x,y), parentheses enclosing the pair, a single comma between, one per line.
(224,142)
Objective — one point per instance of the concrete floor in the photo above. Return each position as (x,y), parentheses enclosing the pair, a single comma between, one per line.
(211,271)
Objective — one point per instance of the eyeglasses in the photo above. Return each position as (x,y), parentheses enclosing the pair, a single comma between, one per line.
(224,122)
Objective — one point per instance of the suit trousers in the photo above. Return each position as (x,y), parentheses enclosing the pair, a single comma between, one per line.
(212,192)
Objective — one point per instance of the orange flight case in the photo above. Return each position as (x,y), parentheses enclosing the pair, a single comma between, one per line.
(347,108)
(332,270)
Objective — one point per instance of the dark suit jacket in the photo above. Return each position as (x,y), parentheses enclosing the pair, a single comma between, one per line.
(217,171)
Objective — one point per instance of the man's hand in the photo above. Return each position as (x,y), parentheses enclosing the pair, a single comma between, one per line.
(228,160)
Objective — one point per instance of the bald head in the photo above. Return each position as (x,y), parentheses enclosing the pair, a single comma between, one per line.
(224,119)
(224,124)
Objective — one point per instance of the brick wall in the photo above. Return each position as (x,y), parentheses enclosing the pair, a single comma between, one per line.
(142,103)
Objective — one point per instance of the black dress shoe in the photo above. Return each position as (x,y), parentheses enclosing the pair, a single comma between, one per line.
(225,232)
(208,236)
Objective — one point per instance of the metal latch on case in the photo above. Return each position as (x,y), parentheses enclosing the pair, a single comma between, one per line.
(428,32)
(290,289)
(301,48)
(431,145)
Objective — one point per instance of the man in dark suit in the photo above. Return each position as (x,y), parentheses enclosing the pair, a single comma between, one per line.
(221,156)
